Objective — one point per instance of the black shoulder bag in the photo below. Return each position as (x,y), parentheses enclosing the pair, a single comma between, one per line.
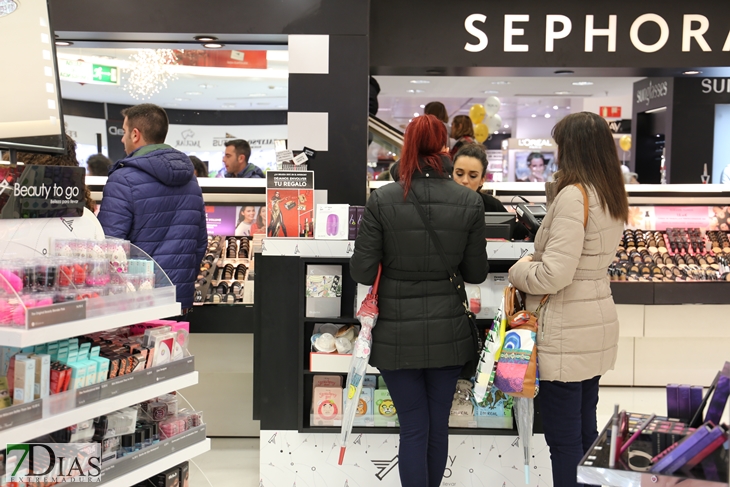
(458,282)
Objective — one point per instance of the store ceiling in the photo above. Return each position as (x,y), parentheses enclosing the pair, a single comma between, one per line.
(521,97)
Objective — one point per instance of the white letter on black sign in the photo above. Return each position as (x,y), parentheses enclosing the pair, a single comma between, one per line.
(469,26)
(663,35)
(688,33)
(551,34)
(510,31)
(592,32)
(726,46)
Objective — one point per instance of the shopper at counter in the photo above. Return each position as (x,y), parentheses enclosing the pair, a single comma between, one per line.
(236,157)
(153,199)
(577,338)
(423,338)
(98,165)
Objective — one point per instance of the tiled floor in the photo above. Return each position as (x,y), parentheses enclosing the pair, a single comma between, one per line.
(234,462)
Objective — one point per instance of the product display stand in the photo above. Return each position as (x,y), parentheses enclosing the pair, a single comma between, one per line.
(290,443)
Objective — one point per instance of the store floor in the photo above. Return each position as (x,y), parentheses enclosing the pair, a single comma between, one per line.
(234,462)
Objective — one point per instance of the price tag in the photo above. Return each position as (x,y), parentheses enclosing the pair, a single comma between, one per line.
(21,414)
(284,156)
(301,159)
(88,395)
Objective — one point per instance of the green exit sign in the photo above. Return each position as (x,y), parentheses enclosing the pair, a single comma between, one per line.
(105,74)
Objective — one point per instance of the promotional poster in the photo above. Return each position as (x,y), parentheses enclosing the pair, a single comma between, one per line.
(290,204)
(41,191)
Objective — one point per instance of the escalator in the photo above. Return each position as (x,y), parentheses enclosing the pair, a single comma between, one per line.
(386,139)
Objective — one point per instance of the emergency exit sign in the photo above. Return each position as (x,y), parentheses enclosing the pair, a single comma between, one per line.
(610,112)
(80,71)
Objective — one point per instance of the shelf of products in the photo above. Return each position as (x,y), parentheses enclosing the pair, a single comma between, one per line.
(226,277)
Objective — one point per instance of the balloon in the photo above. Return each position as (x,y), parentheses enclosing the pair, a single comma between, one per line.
(481,132)
(494,123)
(476,113)
(625,142)
(492,105)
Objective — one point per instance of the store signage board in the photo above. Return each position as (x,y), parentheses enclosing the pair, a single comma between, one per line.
(609,112)
(81,71)
(55,314)
(290,204)
(41,191)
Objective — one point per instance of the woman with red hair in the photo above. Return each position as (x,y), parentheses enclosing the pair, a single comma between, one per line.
(423,338)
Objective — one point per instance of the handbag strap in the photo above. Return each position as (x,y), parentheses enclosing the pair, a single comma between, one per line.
(585,205)
(454,277)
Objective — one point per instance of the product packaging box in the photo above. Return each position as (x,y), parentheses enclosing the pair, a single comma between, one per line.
(42,385)
(168,478)
(360,214)
(24,379)
(330,381)
(5,399)
(184,474)
(384,409)
(332,222)
(352,223)
(290,204)
(491,291)
(496,413)
(370,381)
(327,406)
(323,291)
(364,414)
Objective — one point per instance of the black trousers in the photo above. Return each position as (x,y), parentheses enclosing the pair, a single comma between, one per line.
(569,420)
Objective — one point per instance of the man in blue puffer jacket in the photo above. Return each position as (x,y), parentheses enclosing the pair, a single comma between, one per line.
(153,199)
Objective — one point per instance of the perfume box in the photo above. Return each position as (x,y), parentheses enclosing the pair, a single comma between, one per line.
(332,222)
(323,291)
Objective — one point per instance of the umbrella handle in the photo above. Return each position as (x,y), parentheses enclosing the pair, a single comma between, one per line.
(377,279)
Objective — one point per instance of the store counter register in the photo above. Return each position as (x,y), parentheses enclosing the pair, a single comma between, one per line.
(531,216)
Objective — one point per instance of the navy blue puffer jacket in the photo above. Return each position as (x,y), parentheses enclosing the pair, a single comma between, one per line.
(153,200)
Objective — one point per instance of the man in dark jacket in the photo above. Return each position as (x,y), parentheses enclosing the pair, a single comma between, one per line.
(236,157)
(153,199)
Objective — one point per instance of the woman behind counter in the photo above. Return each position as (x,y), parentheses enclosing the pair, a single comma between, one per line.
(577,337)
(423,338)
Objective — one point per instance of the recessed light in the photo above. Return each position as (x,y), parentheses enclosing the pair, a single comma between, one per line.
(213,45)
(69,43)
(564,71)
(567,108)
(172,104)
(582,83)
(496,132)
(415,114)
(206,86)
(192,93)
(257,95)
(182,99)
(533,115)
(422,106)
(490,92)
(420,81)
(506,126)
(555,107)
(562,92)
(500,82)
(228,105)
(414,91)
(547,115)
(205,38)
(276,87)
(691,71)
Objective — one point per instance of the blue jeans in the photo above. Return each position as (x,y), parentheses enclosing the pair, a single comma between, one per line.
(422,399)
(568,412)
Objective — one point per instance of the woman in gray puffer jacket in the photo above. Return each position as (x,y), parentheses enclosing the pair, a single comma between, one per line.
(577,337)
(422,338)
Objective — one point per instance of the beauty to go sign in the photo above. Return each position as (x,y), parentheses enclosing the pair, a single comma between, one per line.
(83,72)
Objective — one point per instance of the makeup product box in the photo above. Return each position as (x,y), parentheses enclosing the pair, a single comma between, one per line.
(24,379)
(684,404)
(184,474)
(370,381)
(102,367)
(352,223)
(496,413)
(5,399)
(384,410)
(41,387)
(364,414)
(323,291)
(327,406)
(360,215)
(330,381)
(695,399)
(168,478)
(332,222)
(673,400)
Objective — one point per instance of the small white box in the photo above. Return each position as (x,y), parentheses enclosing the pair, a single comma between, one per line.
(42,385)
(23,386)
(323,291)
(330,222)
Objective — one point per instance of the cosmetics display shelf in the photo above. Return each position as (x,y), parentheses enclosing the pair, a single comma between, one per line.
(336,321)
(362,430)
(594,469)
(18,337)
(76,414)
(147,462)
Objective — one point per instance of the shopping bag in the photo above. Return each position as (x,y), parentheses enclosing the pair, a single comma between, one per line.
(489,356)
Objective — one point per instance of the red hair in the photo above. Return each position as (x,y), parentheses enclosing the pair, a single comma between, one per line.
(423,141)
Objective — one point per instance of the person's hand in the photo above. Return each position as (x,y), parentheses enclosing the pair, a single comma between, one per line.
(527,258)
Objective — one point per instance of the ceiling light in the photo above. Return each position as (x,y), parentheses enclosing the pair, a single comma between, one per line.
(420,81)
(533,115)
(555,107)
(206,86)
(422,106)
(562,92)
(415,114)
(691,71)
(257,95)
(547,115)
(490,92)
(192,93)
(69,43)
(276,87)
(567,108)
(496,132)
(213,45)
(414,91)
(150,71)
(172,104)
(564,71)
(182,99)
(500,82)
(205,38)
(582,83)
(228,105)
(506,126)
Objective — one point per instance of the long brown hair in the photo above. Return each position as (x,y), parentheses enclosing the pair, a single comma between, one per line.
(422,144)
(462,126)
(587,155)
(438,110)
